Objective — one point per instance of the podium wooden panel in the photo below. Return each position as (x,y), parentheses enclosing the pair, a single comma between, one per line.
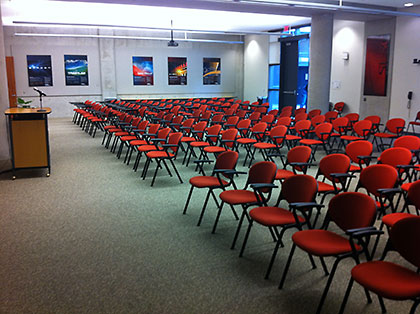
(29,141)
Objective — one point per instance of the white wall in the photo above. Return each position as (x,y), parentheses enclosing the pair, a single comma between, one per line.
(105,54)
(255,66)
(406,75)
(346,75)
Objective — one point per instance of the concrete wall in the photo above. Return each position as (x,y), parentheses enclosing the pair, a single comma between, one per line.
(256,51)
(346,75)
(110,67)
(406,75)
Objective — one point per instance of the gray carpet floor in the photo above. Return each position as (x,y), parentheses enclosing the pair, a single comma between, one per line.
(95,238)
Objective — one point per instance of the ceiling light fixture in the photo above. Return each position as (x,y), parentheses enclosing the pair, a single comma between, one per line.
(408,4)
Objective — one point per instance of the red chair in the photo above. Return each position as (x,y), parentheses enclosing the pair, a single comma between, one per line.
(330,116)
(334,168)
(353,118)
(286,121)
(299,192)
(143,137)
(196,133)
(298,158)
(227,142)
(313,113)
(217,180)
(275,140)
(376,122)
(361,131)
(163,154)
(393,129)
(211,138)
(257,134)
(360,153)
(322,132)
(339,107)
(354,214)
(339,129)
(231,122)
(415,122)
(261,174)
(388,279)
(302,129)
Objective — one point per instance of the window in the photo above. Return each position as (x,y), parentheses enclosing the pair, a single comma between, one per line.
(274,85)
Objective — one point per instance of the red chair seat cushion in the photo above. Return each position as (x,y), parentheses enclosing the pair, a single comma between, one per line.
(199,144)
(146,148)
(138,142)
(121,133)
(206,182)
(406,186)
(273,216)
(325,187)
(387,279)
(354,168)
(128,138)
(214,149)
(235,197)
(264,145)
(322,242)
(282,174)
(292,137)
(390,219)
(351,138)
(187,139)
(310,142)
(385,135)
(246,141)
(158,154)
(115,130)
(109,127)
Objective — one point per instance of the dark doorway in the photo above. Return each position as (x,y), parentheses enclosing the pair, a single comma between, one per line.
(288,73)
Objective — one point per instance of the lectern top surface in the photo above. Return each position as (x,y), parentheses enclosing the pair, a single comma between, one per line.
(15,110)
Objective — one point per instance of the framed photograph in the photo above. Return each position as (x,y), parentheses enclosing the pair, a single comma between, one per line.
(376,66)
(211,71)
(76,70)
(177,71)
(39,70)
(143,70)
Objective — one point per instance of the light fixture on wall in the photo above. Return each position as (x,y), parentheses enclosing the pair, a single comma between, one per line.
(345,55)
(172,42)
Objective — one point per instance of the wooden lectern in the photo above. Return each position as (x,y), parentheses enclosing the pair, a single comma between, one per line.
(28,134)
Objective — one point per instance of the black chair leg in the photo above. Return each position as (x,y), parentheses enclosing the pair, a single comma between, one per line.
(286,268)
(246,238)
(346,296)
(188,200)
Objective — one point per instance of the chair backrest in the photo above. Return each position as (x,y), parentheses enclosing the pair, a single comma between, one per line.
(278,133)
(287,109)
(302,126)
(395,156)
(351,210)
(404,236)
(395,125)
(362,127)
(334,163)
(177,119)
(284,121)
(313,113)
(212,131)
(299,154)
(300,110)
(268,118)
(199,128)
(175,139)
(301,116)
(153,128)
(262,172)
(340,123)
(285,114)
(163,133)
(229,135)
(259,127)
(330,116)
(232,121)
(226,160)
(318,119)
(274,112)
(410,142)
(142,126)
(359,148)
(323,130)
(244,125)
(353,117)
(414,194)
(299,188)
(339,106)
(255,116)
(217,118)
(374,119)
(378,176)
(206,116)
(241,113)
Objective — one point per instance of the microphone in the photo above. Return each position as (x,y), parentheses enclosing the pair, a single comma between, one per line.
(39,91)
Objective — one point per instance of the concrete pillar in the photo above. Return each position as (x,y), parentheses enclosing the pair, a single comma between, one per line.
(320,62)
(107,64)
(5,159)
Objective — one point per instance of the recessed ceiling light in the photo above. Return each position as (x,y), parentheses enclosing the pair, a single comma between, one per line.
(408,4)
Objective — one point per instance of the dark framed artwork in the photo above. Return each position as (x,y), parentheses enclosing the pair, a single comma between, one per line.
(211,71)
(143,70)
(177,71)
(376,66)
(76,70)
(39,70)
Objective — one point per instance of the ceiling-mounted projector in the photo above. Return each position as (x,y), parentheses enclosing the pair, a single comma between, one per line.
(172,42)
